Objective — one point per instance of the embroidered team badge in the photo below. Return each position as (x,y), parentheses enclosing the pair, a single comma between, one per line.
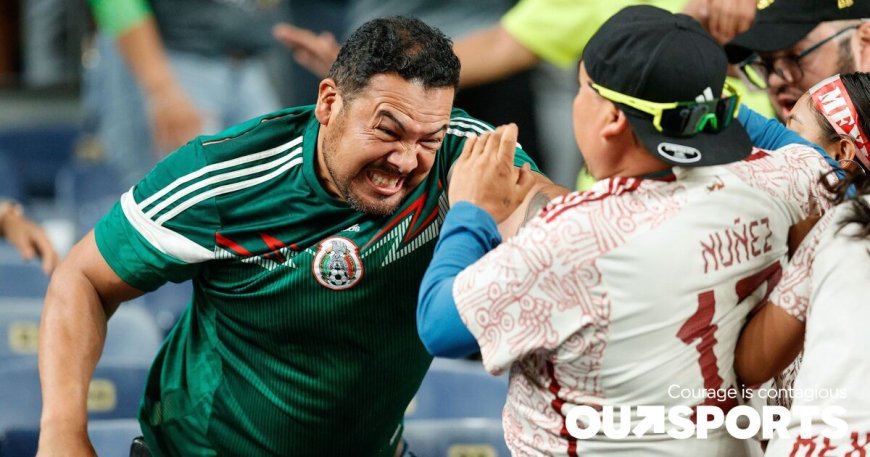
(337,264)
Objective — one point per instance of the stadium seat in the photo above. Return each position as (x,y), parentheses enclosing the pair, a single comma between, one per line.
(458,389)
(19,442)
(87,191)
(22,279)
(112,437)
(10,185)
(168,302)
(132,334)
(37,154)
(456,438)
(114,393)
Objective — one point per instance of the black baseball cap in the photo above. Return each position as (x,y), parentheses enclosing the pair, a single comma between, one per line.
(651,54)
(782,23)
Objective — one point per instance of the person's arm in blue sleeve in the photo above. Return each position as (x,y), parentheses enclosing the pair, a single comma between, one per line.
(771,134)
(468,234)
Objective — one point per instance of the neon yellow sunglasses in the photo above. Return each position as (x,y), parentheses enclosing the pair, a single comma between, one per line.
(682,118)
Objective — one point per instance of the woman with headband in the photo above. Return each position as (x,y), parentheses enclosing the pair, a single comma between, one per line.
(820,304)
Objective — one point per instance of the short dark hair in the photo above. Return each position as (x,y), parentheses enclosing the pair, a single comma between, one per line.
(401,45)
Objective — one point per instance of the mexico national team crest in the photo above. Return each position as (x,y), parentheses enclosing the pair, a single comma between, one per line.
(337,264)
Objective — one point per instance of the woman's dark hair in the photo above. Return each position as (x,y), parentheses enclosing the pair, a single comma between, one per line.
(857,85)
(401,45)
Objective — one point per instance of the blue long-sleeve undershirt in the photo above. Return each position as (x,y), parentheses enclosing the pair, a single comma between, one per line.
(468,233)
(771,134)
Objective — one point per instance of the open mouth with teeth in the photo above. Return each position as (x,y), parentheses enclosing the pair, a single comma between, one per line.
(786,102)
(385,183)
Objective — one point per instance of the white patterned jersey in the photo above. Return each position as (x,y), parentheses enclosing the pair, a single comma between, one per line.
(634,293)
(826,286)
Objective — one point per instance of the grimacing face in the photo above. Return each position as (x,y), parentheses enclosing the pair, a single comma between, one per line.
(376,148)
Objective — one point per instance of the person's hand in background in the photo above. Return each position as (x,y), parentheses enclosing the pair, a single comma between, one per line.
(28,238)
(175,120)
(724,19)
(315,52)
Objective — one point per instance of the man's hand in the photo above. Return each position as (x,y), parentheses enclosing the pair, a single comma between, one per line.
(28,238)
(175,120)
(485,174)
(724,19)
(314,52)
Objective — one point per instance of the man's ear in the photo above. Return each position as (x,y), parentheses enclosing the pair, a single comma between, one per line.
(616,122)
(862,47)
(328,101)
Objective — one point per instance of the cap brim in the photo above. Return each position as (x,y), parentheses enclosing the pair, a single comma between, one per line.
(704,149)
(766,37)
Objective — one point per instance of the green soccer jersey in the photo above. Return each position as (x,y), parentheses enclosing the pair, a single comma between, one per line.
(301,337)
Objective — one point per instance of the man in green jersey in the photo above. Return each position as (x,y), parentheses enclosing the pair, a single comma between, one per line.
(306,233)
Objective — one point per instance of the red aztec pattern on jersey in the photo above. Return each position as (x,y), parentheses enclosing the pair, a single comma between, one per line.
(793,293)
(786,182)
(516,323)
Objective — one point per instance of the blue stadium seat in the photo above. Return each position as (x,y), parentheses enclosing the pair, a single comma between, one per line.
(19,329)
(19,442)
(456,438)
(22,279)
(132,334)
(37,154)
(87,191)
(112,437)
(115,392)
(10,185)
(458,389)
(168,302)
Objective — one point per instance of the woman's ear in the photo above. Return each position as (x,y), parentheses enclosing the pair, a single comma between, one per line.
(845,149)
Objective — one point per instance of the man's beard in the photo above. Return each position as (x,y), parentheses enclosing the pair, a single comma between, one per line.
(377,208)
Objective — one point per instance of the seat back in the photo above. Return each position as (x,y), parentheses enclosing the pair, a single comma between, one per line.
(456,438)
(458,389)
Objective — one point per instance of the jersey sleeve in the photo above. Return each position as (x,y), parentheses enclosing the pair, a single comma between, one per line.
(164,227)
(463,126)
(794,290)
(528,294)
(118,16)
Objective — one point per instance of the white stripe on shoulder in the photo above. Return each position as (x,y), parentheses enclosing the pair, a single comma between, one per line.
(457,132)
(220,166)
(473,127)
(477,122)
(163,239)
(225,189)
(222,177)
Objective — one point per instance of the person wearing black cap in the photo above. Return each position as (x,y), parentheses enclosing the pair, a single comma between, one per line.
(632,293)
(794,44)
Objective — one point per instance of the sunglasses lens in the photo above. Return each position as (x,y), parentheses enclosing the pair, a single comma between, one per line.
(683,120)
(676,120)
(725,111)
(707,116)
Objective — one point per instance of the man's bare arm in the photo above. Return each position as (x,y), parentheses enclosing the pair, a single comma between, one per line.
(82,295)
